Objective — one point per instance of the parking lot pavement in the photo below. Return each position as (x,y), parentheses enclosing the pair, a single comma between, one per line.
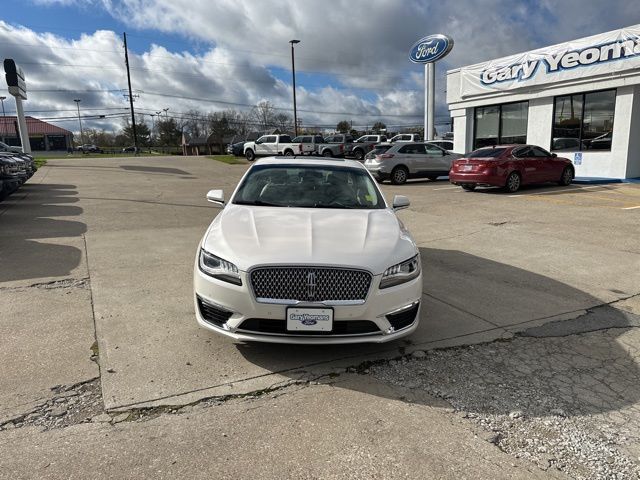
(119,236)
(46,319)
(348,427)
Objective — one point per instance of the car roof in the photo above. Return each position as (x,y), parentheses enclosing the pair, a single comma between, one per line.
(306,160)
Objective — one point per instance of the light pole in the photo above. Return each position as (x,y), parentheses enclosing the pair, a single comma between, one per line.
(4,118)
(165,110)
(293,72)
(77,100)
(153,126)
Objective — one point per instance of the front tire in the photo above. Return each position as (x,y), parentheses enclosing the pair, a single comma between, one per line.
(288,153)
(250,155)
(567,177)
(513,182)
(327,153)
(359,154)
(399,175)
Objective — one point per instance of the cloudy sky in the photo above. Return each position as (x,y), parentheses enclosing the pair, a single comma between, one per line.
(212,55)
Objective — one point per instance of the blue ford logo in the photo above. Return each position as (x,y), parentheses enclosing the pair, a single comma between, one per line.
(431,48)
(309,321)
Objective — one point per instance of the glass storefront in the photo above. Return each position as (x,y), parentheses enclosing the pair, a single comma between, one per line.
(500,124)
(583,121)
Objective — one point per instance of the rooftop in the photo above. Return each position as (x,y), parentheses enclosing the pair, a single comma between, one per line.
(34,127)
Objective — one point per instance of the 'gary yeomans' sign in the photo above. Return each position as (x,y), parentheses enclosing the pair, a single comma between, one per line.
(600,54)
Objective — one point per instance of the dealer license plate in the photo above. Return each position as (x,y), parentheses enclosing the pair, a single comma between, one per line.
(310,319)
(467,168)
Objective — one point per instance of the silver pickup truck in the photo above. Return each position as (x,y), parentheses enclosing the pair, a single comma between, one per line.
(364,145)
(334,145)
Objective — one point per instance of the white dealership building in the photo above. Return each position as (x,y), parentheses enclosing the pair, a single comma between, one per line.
(579,99)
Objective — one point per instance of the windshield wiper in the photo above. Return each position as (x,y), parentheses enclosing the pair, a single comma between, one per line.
(333,205)
(258,203)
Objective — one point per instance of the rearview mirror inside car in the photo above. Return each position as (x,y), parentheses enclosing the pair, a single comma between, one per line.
(216,196)
(400,202)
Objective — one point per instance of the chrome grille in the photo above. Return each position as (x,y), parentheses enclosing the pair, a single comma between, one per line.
(310,284)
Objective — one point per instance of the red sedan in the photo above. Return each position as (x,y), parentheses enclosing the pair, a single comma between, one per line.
(510,166)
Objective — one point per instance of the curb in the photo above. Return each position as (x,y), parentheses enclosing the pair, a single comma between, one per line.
(603,180)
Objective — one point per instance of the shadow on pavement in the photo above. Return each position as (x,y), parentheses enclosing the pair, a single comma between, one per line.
(37,216)
(562,368)
(166,170)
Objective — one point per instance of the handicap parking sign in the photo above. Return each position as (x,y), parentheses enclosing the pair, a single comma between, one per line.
(577,158)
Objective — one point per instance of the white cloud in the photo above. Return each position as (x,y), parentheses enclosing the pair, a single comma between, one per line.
(361,46)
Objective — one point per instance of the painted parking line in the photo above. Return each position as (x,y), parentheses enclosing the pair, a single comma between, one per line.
(446,188)
(552,192)
(631,208)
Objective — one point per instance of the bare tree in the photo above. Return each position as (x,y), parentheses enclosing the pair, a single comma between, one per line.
(283,121)
(264,114)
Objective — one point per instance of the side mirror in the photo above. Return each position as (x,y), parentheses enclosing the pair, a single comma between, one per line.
(216,196)
(554,155)
(257,142)
(400,202)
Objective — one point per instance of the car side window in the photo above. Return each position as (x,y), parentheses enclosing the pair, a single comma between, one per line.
(521,152)
(269,139)
(540,152)
(433,150)
(412,149)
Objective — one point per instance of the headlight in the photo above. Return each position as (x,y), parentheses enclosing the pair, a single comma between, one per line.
(219,268)
(401,273)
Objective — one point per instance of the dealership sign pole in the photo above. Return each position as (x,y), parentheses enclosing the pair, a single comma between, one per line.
(18,88)
(428,50)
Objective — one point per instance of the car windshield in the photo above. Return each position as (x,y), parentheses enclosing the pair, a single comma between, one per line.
(306,186)
(486,153)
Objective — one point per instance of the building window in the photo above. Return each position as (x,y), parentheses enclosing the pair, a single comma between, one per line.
(500,124)
(583,121)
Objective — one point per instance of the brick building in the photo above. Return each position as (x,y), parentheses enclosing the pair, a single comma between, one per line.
(42,135)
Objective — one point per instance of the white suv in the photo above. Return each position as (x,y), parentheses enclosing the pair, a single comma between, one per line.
(308,251)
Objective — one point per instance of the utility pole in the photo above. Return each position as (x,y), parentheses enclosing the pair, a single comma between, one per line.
(293,73)
(133,117)
(4,119)
(77,100)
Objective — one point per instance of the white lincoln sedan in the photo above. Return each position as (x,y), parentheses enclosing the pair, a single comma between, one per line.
(308,251)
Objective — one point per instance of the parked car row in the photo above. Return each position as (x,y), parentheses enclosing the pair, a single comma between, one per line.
(337,145)
(15,169)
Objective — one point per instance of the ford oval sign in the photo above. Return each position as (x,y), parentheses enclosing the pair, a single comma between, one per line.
(431,48)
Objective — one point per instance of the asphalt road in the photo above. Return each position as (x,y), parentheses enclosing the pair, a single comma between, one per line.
(95,283)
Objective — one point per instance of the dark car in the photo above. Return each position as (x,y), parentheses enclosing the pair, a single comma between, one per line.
(11,175)
(510,166)
(236,149)
(130,149)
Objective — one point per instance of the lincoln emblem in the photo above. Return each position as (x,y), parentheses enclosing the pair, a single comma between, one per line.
(311,285)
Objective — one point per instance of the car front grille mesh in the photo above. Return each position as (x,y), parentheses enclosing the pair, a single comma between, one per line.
(310,284)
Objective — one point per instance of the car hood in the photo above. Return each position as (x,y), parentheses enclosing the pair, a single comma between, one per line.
(250,236)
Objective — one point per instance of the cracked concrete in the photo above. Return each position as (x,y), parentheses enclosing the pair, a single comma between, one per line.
(537,273)
(569,402)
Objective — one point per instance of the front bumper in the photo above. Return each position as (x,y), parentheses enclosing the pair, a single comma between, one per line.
(399,305)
